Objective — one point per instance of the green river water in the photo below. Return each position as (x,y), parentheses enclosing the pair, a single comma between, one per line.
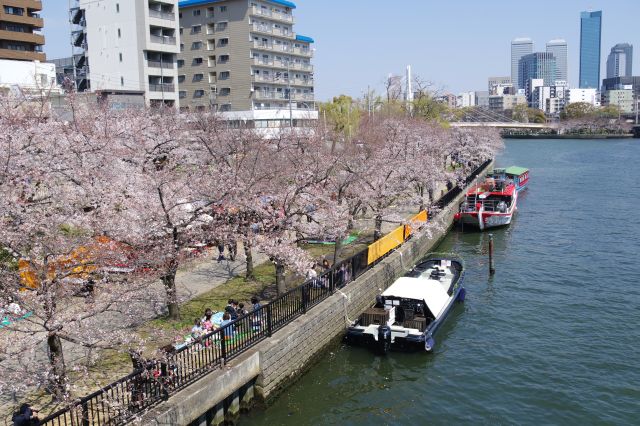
(552,338)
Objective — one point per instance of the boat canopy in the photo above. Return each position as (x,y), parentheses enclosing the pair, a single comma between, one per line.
(515,170)
(431,291)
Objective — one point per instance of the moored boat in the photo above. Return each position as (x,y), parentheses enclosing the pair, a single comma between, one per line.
(408,314)
(489,204)
(518,175)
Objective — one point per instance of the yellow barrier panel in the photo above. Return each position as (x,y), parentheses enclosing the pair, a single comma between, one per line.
(385,244)
(416,221)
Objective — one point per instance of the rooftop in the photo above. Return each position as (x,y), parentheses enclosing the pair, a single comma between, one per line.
(190,3)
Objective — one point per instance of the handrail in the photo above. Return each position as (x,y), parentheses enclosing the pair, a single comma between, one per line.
(119,401)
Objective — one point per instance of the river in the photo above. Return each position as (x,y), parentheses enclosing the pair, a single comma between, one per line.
(552,338)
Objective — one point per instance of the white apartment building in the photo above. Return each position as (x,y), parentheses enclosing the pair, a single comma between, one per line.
(466,99)
(127,45)
(589,96)
(28,78)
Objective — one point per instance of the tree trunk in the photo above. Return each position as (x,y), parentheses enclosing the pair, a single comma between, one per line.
(169,281)
(58,377)
(337,249)
(377,233)
(280,284)
(249,262)
(421,206)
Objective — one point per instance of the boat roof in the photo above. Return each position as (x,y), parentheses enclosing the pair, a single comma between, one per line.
(479,190)
(515,170)
(431,291)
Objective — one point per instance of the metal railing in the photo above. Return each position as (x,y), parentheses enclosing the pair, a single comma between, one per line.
(162,15)
(160,64)
(162,39)
(157,380)
(162,87)
(274,15)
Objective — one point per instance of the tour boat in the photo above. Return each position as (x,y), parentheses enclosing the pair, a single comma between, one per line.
(518,175)
(489,204)
(408,314)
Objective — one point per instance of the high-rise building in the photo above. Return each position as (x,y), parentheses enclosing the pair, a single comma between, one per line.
(127,46)
(244,59)
(620,61)
(539,65)
(590,42)
(558,48)
(519,48)
(21,26)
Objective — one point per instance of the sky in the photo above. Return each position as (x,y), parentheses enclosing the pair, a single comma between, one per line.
(454,44)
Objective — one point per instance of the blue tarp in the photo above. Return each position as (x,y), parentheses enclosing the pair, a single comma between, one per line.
(305,39)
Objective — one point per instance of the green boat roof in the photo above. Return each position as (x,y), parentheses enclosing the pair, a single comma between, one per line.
(515,170)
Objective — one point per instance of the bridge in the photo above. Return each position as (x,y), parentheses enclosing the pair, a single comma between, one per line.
(483,117)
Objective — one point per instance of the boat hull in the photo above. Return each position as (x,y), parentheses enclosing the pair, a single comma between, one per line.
(489,220)
(425,341)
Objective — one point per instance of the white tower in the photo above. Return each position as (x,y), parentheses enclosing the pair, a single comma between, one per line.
(409,90)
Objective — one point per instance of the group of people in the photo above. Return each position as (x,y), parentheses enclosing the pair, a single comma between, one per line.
(341,274)
(212,321)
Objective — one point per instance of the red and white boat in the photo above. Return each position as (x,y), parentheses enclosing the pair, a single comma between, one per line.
(489,204)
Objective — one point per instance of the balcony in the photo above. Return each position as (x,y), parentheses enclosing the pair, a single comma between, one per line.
(282,81)
(20,36)
(21,19)
(266,29)
(160,64)
(162,87)
(162,15)
(274,47)
(23,55)
(266,13)
(162,39)
(271,63)
(264,95)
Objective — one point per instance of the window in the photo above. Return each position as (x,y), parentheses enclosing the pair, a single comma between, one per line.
(182,47)
(196,29)
(211,44)
(212,61)
(225,91)
(196,12)
(117,7)
(210,11)
(196,45)
(197,61)
(210,28)
(182,94)
(198,93)
(180,15)
(119,33)
(198,77)
(223,58)
(225,107)
(121,81)
(223,8)
(200,107)
(181,30)
(224,75)
(221,26)
(180,63)
(213,77)
(120,54)
(181,78)
(224,42)
(14,10)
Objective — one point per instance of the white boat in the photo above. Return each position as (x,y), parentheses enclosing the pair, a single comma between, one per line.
(410,311)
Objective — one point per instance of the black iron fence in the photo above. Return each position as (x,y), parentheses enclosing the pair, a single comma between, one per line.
(158,379)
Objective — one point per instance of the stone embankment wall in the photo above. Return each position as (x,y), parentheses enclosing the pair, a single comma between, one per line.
(264,371)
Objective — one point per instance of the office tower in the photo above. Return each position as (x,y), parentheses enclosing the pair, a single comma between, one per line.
(127,46)
(238,56)
(21,30)
(620,61)
(519,48)
(539,65)
(558,48)
(590,42)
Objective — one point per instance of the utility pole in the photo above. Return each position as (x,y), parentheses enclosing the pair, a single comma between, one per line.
(289,90)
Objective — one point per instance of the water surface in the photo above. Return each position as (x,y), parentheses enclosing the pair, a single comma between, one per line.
(552,338)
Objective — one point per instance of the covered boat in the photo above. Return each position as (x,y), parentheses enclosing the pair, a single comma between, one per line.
(489,204)
(519,176)
(410,311)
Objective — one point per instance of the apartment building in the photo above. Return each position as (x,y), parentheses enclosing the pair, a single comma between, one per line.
(127,46)
(21,35)
(244,59)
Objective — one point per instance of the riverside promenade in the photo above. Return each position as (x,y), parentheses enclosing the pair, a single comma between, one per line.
(260,373)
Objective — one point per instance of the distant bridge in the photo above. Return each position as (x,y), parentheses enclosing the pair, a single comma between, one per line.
(503,125)
(483,117)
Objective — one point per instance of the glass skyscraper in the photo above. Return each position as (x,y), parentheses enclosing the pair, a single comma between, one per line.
(590,41)
(558,48)
(519,48)
(537,65)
